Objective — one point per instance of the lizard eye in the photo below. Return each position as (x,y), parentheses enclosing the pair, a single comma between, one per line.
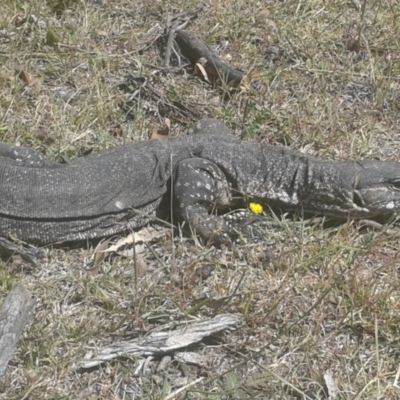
(396,184)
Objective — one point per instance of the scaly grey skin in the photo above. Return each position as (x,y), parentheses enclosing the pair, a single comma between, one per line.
(121,189)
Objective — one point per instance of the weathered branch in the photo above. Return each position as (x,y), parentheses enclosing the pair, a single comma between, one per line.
(15,312)
(176,22)
(194,49)
(159,343)
(170,41)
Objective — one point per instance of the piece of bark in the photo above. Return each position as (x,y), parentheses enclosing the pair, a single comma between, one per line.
(160,343)
(195,49)
(15,313)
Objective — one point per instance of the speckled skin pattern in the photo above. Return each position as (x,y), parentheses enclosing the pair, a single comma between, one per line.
(121,189)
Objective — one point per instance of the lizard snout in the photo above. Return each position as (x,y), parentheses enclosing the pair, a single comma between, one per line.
(377,187)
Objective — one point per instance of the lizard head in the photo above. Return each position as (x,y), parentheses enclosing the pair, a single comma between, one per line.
(377,188)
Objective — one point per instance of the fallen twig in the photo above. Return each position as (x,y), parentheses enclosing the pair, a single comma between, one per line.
(170,41)
(160,343)
(174,23)
(195,49)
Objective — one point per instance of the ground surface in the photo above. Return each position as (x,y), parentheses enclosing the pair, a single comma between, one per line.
(323,77)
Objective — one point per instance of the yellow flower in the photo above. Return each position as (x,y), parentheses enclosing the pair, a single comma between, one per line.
(256,208)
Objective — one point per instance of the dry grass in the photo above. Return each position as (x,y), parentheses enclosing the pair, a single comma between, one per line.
(323,77)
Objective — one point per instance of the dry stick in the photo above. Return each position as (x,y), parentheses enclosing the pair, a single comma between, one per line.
(193,49)
(159,343)
(170,42)
(172,395)
(15,313)
(188,15)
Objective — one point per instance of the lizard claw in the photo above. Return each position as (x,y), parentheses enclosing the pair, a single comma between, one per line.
(245,223)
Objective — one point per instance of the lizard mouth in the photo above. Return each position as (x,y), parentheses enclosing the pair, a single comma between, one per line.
(375,201)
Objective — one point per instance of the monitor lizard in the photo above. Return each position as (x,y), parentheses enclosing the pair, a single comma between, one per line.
(120,189)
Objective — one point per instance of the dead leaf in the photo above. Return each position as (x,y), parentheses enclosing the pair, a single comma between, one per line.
(117,131)
(19,20)
(163,132)
(228,57)
(143,236)
(331,386)
(25,77)
(200,66)
(43,134)
(99,256)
